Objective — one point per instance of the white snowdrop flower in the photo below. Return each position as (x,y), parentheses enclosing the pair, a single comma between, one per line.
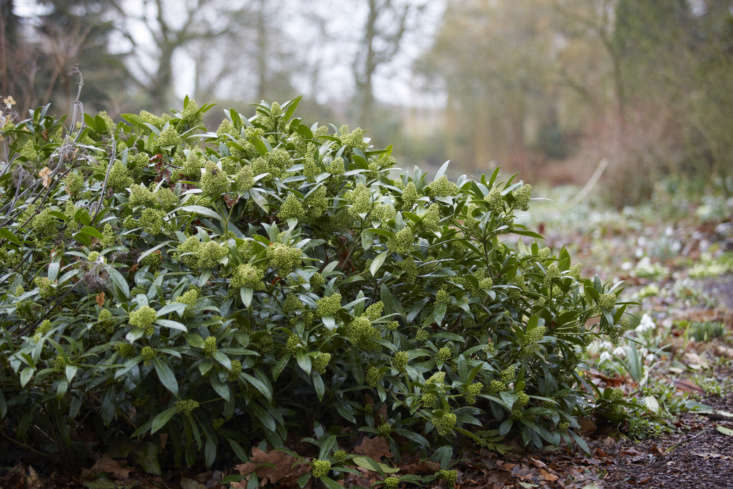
(639,252)
(626,266)
(646,324)
(594,347)
(619,351)
(606,345)
(669,231)
(605,356)
(650,358)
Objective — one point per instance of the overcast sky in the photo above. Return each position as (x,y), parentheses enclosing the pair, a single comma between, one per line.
(393,83)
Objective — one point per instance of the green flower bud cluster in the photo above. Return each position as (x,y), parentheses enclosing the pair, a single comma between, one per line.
(497,386)
(355,138)
(472,391)
(168,137)
(317,281)
(109,237)
(188,251)
(399,360)
(125,350)
(509,374)
(192,165)
(248,276)
(166,198)
(329,306)
(444,423)
(317,202)
(374,376)
(402,241)
(210,345)
(409,196)
(485,283)
(442,187)
(320,468)
(495,200)
(384,429)
(320,361)
(244,180)
(225,127)
(143,318)
(383,213)
(284,258)
(522,196)
(310,167)
(522,399)
(28,151)
(422,336)
(409,269)
(360,199)
(152,260)
(235,370)
(147,353)
(292,345)
(361,332)
(141,195)
(210,253)
(44,223)
(340,456)
(442,297)
(74,183)
(393,325)
(429,399)
(563,426)
(190,297)
(151,118)
(336,167)
(607,302)
(151,220)
(45,287)
(392,482)
(291,208)
(437,379)
(291,303)
(186,406)
(214,182)
(444,354)
(535,334)
(44,327)
(60,362)
(450,476)
(105,319)
(431,218)
(374,311)
(119,177)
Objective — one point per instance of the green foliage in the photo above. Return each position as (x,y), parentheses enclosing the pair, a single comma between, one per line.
(209,285)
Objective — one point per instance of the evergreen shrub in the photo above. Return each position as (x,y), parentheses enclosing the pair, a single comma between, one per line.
(272,278)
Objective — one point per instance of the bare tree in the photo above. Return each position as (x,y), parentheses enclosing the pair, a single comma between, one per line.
(383,30)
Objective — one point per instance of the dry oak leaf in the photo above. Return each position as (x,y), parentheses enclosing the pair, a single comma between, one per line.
(108,465)
(45,175)
(375,448)
(548,476)
(420,468)
(273,467)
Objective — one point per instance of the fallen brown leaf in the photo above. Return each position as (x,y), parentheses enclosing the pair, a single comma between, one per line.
(108,465)
(548,476)
(273,467)
(421,468)
(375,448)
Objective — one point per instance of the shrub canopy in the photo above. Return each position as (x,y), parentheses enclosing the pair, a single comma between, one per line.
(272,278)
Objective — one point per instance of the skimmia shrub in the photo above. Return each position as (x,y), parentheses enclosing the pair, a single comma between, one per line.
(161,278)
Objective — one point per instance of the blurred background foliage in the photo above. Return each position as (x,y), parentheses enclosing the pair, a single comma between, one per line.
(545,88)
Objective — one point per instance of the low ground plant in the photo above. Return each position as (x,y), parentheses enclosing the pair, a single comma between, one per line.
(163,279)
